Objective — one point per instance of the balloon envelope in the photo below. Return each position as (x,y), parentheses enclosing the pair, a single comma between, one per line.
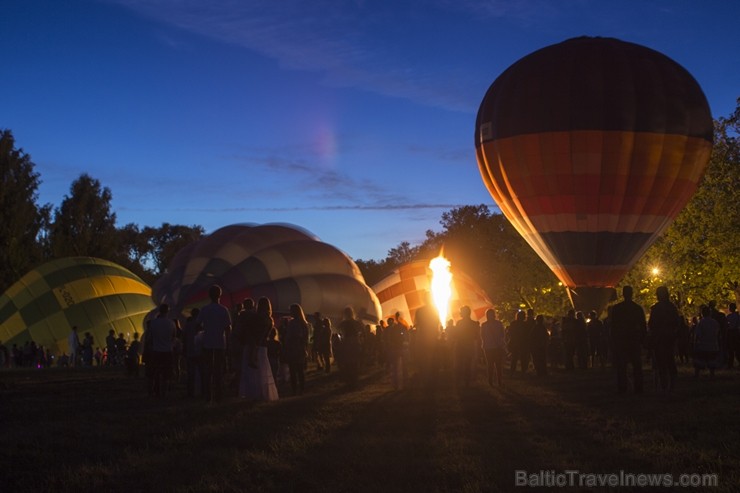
(279,261)
(406,289)
(591,147)
(93,294)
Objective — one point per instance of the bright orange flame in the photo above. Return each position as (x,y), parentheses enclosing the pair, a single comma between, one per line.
(441,286)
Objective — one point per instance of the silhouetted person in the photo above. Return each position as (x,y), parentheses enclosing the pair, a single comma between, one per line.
(73,341)
(110,346)
(351,330)
(237,338)
(493,341)
(251,328)
(538,341)
(393,339)
(706,342)
(467,334)
(425,336)
(215,320)
(580,336)
(596,340)
(518,338)
(733,336)
(322,343)
(133,356)
(192,352)
(296,345)
(257,380)
(529,322)
(273,352)
(568,335)
(628,328)
(664,325)
(160,334)
(722,321)
(683,344)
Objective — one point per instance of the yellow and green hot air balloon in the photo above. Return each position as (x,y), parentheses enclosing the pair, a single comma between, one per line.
(93,294)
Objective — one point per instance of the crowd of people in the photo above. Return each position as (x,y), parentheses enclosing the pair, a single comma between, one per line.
(535,344)
(251,353)
(82,353)
(245,352)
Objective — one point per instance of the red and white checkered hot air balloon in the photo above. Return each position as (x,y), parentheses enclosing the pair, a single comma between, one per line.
(591,147)
(406,289)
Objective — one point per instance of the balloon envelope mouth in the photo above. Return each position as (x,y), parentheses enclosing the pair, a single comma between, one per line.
(587,298)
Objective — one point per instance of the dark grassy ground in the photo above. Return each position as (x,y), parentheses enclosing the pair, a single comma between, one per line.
(95,430)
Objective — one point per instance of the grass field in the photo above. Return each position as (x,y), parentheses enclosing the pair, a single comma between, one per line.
(87,430)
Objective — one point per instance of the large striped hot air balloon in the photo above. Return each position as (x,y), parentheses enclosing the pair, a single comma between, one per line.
(406,289)
(283,262)
(591,147)
(94,294)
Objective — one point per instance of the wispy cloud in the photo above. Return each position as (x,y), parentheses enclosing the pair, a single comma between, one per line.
(353,44)
(302,175)
(386,207)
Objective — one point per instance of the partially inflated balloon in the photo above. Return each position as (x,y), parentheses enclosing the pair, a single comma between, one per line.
(591,147)
(93,294)
(406,289)
(281,262)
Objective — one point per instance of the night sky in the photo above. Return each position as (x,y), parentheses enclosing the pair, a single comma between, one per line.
(352,119)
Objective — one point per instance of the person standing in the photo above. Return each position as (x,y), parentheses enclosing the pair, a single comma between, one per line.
(733,336)
(110,347)
(296,345)
(538,340)
(133,356)
(628,329)
(73,341)
(596,340)
(215,320)
(424,343)
(160,334)
(664,325)
(706,342)
(467,333)
(393,338)
(238,340)
(322,344)
(191,352)
(568,332)
(257,379)
(351,329)
(518,339)
(580,338)
(493,341)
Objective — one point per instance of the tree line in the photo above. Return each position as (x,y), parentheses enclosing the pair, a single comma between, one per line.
(82,225)
(698,257)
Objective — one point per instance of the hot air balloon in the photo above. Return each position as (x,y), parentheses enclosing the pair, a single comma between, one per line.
(94,294)
(591,147)
(283,262)
(406,288)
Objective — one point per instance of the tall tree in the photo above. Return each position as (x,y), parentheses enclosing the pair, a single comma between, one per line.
(698,257)
(165,241)
(133,251)
(84,224)
(21,219)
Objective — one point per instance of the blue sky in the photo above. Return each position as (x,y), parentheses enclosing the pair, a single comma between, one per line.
(352,119)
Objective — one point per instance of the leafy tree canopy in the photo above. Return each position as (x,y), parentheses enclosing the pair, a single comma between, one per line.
(21,219)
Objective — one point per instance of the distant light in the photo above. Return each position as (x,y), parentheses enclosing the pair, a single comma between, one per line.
(655,271)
